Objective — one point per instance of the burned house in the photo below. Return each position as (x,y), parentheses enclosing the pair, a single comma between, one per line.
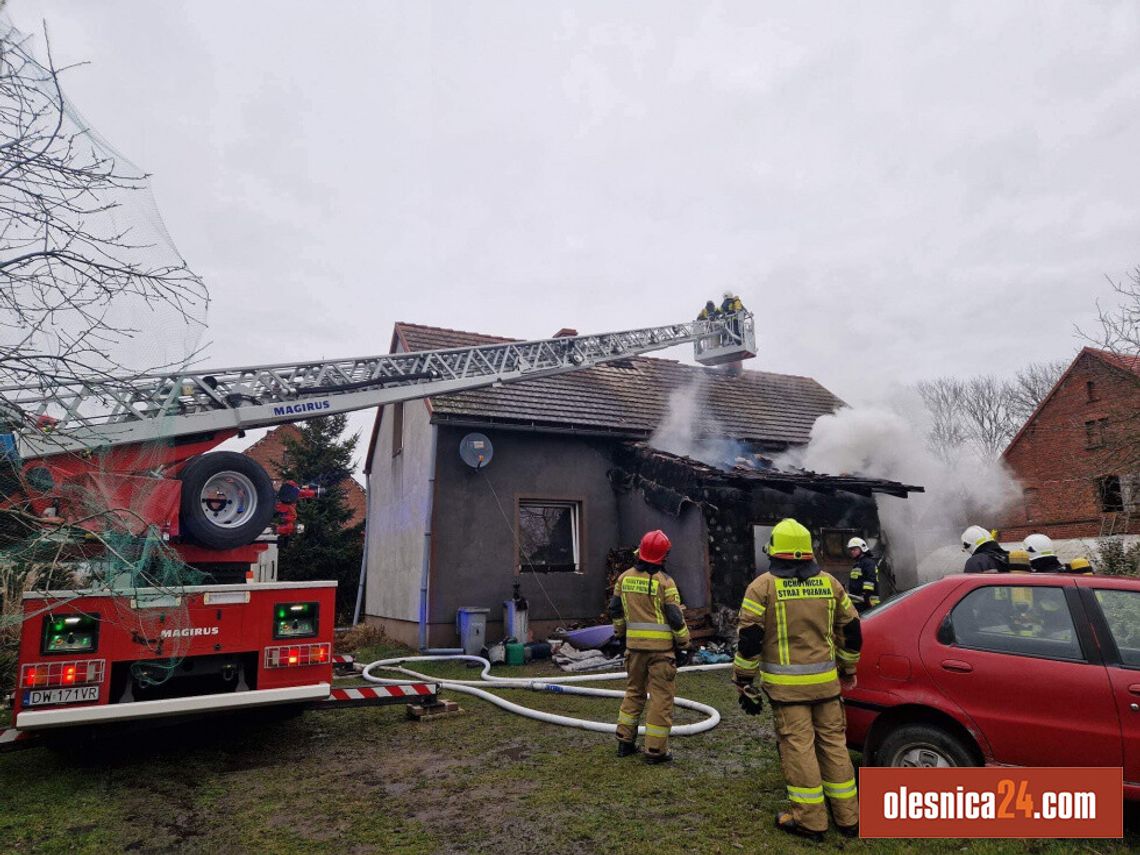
(570,474)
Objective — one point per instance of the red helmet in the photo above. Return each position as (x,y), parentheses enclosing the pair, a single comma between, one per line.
(654,547)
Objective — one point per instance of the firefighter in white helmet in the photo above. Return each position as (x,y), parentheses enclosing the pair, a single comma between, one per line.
(799,632)
(986,556)
(863,583)
(1043,557)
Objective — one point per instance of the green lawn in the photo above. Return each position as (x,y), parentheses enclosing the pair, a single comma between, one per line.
(369,780)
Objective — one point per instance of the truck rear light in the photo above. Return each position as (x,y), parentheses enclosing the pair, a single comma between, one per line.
(298,655)
(295,620)
(70,633)
(47,675)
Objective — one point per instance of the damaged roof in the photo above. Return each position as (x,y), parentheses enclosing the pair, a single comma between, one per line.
(631,397)
(762,473)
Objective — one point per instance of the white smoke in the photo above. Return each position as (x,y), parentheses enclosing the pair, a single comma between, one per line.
(888,441)
(690,430)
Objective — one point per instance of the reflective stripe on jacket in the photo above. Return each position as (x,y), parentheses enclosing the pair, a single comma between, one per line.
(643,622)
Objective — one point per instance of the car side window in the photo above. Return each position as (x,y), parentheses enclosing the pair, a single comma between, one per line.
(1122,613)
(1019,619)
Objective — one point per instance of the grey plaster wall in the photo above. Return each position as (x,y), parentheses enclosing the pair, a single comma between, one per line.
(688,561)
(474,547)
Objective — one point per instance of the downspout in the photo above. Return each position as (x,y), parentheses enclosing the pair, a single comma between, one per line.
(364,555)
(426,569)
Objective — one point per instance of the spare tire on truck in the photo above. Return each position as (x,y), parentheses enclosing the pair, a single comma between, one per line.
(227,500)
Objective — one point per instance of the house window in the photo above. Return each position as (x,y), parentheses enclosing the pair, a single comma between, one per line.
(1094,433)
(397,428)
(1030,496)
(1109,494)
(1090,391)
(549,534)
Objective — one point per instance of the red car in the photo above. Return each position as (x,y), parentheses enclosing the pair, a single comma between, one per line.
(1003,670)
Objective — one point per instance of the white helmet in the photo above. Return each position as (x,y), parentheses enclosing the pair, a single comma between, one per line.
(728,295)
(1039,545)
(973,537)
(857,542)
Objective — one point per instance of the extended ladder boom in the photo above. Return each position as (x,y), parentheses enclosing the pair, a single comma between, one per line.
(113,411)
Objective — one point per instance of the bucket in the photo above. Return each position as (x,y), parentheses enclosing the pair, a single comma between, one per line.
(515,653)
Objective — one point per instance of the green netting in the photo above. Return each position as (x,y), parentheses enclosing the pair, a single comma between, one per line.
(91,285)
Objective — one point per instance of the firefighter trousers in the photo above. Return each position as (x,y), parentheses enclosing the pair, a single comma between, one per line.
(654,671)
(812,740)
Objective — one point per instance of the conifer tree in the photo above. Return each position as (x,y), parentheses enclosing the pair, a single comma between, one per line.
(329,548)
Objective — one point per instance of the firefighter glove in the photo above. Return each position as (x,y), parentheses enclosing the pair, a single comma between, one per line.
(751,700)
(683,655)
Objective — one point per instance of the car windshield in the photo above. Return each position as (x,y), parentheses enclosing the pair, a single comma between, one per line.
(892,601)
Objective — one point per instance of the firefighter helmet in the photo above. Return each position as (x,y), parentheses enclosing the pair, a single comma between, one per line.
(857,543)
(1039,545)
(1080,565)
(790,540)
(973,537)
(654,547)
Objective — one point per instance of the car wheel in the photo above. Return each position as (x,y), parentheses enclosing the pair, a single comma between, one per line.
(923,746)
(227,500)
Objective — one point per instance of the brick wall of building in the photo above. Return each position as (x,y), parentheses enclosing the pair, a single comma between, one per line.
(270,449)
(1074,439)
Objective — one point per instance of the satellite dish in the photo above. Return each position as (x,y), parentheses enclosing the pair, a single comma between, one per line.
(476,450)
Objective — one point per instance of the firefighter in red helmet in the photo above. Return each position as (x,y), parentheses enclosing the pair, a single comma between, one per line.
(646,610)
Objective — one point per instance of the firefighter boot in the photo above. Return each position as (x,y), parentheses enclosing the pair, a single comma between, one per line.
(626,748)
(786,823)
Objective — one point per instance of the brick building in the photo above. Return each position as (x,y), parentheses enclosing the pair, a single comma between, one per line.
(1076,458)
(270,450)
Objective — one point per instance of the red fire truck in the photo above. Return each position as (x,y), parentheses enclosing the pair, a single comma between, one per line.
(88,658)
(142,447)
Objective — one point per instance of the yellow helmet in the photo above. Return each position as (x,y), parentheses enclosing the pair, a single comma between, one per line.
(1080,565)
(1019,561)
(790,540)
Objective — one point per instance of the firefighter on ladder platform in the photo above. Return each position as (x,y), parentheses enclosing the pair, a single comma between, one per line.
(647,615)
(799,632)
(863,584)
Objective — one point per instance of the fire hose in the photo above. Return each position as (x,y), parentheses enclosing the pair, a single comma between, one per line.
(555,685)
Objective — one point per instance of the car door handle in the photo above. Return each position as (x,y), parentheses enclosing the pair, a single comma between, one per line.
(957,665)
(1134,689)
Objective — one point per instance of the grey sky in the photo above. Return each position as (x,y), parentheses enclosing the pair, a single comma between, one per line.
(898,190)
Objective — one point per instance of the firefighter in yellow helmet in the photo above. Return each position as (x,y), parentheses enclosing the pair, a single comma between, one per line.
(647,615)
(799,632)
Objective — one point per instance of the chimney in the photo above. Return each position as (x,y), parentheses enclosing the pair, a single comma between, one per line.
(565,332)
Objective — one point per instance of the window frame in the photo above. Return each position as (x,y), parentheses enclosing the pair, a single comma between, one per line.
(1086,644)
(1109,647)
(577,507)
(1099,482)
(844,534)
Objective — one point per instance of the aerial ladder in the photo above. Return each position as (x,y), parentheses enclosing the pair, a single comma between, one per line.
(141,442)
(112,654)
